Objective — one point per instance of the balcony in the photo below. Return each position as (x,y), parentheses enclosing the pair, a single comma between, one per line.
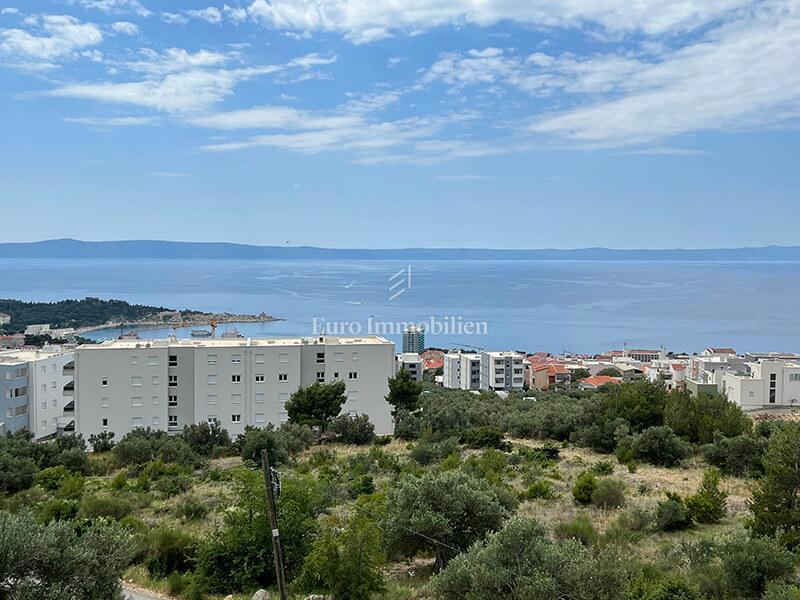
(69,369)
(69,390)
(69,407)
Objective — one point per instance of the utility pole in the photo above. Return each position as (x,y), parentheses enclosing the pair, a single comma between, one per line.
(277,553)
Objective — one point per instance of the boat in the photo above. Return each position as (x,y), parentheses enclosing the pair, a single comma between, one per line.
(231,334)
(201,333)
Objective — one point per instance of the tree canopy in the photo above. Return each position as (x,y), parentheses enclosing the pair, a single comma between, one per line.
(316,405)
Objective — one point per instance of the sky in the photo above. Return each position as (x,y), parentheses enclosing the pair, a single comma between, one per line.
(402,123)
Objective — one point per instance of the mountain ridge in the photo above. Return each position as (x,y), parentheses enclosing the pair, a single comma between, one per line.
(68,248)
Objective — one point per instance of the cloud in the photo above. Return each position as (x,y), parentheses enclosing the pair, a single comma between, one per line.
(113,7)
(211,14)
(9,10)
(312,60)
(111,121)
(275,117)
(363,21)
(125,28)
(174,18)
(742,74)
(63,36)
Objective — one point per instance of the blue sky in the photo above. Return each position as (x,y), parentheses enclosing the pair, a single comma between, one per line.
(357,123)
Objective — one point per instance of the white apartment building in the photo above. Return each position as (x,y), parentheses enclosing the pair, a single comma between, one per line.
(5,318)
(770,383)
(672,372)
(502,371)
(36,391)
(410,362)
(166,384)
(462,371)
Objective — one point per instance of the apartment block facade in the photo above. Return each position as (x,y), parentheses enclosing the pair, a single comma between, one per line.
(502,371)
(462,371)
(770,383)
(167,384)
(36,391)
(411,362)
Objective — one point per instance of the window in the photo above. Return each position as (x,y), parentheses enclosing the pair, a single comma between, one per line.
(236,379)
(260,418)
(172,421)
(283,397)
(152,361)
(259,359)
(353,375)
(320,358)
(134,359)
(137,422)
(352,395)
(156,400)
(336,374)
(156,422)
(283,357)
(260,397)
(212,399)
(283,377)
(772,396)
(212,359)
(236,359)
(44,405)
(283,417)
(173,360)
(44,388)
(173,380)
(236,418)
(321,376)
(156,380)
(213,420)
(137,401)
(236,399)
(44,424)
(43,369)
(54,403)
(53,385)
(211,380)
(355,355)
(104,402)
(259,378)
(338,356)
(104,382)
(105,422)
(172,400)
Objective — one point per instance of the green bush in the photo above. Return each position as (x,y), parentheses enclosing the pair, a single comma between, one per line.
(578,528)
(656,445)
(51,477)
(102,442)
(609,493)
(485,437)
(105,506)
(751,562)
(672,514)
(709,504)
(119,482)
(57,510)
(203,438)
(172,485)
(584,487)
(353,430)
(169,550)
(191,508)
(699,419)
(541,489)
(602,467)
(739,455)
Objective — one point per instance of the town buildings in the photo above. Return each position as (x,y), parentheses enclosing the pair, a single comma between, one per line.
(414,339)
(502,371)
(5,318)
(36,391)
(412,363)
(462,371)
(166,384)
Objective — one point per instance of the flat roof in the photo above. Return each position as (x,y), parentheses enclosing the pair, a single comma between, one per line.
(25,355)
(128,343)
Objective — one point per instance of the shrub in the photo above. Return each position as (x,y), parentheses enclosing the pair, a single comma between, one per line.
(203,438)
(191,508)
(172,485)
(51,477)
(119,482)
(16,473)
(609,493)
(698,418)
(602,467)
(578,528)
(672,514)
(657,445)
(485,437)
(539,490)
(168,550)
(750,562)
(176,583)
(102,442)
(425,452)
(72,487)
(57,510)
(740,455)
(105,506)
(353,430)
(708,505)
(584,487)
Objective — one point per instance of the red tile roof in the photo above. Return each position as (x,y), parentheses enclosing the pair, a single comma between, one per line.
(599,380)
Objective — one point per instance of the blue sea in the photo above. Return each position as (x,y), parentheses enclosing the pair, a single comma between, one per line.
(577,306)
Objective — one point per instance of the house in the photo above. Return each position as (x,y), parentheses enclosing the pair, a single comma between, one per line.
(5,318)
(432,359)
(598,381)
(550,375)
(16,340)
(768,384)
(38,329)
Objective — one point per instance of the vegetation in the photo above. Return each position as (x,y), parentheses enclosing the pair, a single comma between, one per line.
(481,498)
(74,313)
(316,405)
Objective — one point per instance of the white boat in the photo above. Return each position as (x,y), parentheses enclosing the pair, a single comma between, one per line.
(201,333)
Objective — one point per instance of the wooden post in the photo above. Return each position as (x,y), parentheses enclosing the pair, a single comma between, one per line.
(273,524)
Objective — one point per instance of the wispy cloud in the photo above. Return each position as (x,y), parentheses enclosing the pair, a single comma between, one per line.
(59,37)
(111,121)
(112,7)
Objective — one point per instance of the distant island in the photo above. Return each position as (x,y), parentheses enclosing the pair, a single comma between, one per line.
(90,314)
(144,249)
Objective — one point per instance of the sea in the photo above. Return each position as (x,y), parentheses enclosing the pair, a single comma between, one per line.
(553,306)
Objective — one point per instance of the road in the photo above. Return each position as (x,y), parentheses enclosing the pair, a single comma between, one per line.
(138,594)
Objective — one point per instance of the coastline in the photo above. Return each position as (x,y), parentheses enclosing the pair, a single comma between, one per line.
(220,319)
